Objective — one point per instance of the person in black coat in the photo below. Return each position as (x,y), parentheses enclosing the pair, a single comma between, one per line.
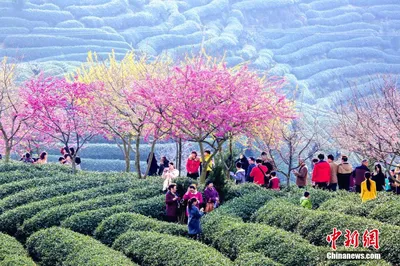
(379,178)
(164,164)
(245,163)
(154,166)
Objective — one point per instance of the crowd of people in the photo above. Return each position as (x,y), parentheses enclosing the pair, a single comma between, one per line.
(65,159)
(325,174)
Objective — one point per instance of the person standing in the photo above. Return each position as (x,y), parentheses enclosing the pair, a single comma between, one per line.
(359,174)
(211,197)
(28,158)
(301,175)
(153,165)
(193,193)
(274,181)
(379,177)
(192,165)
(321,173)
(252,164)
(245,163)
(258,173)
(344,173)
(240,175)
(164,164)
(368,188)
(207,155)
(172,203)
(169,174)
(194,225)
(334,170)
(305,201)
(267,162)
(42,158)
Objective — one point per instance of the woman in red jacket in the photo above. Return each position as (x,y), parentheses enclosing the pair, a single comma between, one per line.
(193,165)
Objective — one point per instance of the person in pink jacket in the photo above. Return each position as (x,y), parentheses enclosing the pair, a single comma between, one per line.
(321,174)
(193,193)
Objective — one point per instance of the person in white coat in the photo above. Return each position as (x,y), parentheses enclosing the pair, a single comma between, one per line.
(169,174)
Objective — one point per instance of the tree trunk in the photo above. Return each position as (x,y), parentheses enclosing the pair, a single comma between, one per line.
(204,164)
(7,155)
(137,156)
(127,155)
(153,145)
(179,156)
(74,165)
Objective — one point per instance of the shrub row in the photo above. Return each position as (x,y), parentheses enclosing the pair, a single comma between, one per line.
(15,187)
(55,215)
(243,207)
(384,208)
(316,225)
(114,226)
(87,221)
(58,246)
(167,250)
(12,250)
(234,191)
(254,259)
(78,182)
(232,237)
(10,220)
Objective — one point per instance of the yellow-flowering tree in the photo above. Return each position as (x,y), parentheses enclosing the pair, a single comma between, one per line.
(119,107)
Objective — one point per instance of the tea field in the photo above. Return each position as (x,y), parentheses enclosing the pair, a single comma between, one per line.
(51,217)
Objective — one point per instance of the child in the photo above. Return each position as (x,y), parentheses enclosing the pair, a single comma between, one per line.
(274,181)
(305,201)
(240,175)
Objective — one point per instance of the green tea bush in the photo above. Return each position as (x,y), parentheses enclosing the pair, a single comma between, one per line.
(167,250)
(58,246)
(86,222)
(11,219)
(254,259)
(9,246)
(15,187)
(388,212)
(114,226)
(15,260)
(282,214)
(318,196)
(54,216)
(233,237)
(246,205)
(79,182)
(314,226)
(234,191)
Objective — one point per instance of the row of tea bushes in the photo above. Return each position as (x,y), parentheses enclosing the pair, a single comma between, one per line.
(58,246)
(167,250)
(12,252)
(315,225)
(114,226)
(86,222)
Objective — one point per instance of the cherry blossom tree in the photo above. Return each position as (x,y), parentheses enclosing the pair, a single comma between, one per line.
(13,117)
(206,102)
(368,124)
(61,110)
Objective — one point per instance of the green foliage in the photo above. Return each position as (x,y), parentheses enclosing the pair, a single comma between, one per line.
(389,212)
(14,260)
(315,225)
(87,221)
(246,205)
(233,237)
(58,246)
(254,259)
(9,246)
(318,196)
(112,227)
(234,191)
(167,250)
(11,219)
(78,182)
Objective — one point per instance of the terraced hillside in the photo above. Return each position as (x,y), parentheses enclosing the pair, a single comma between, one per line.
(50,217)
(319,45)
